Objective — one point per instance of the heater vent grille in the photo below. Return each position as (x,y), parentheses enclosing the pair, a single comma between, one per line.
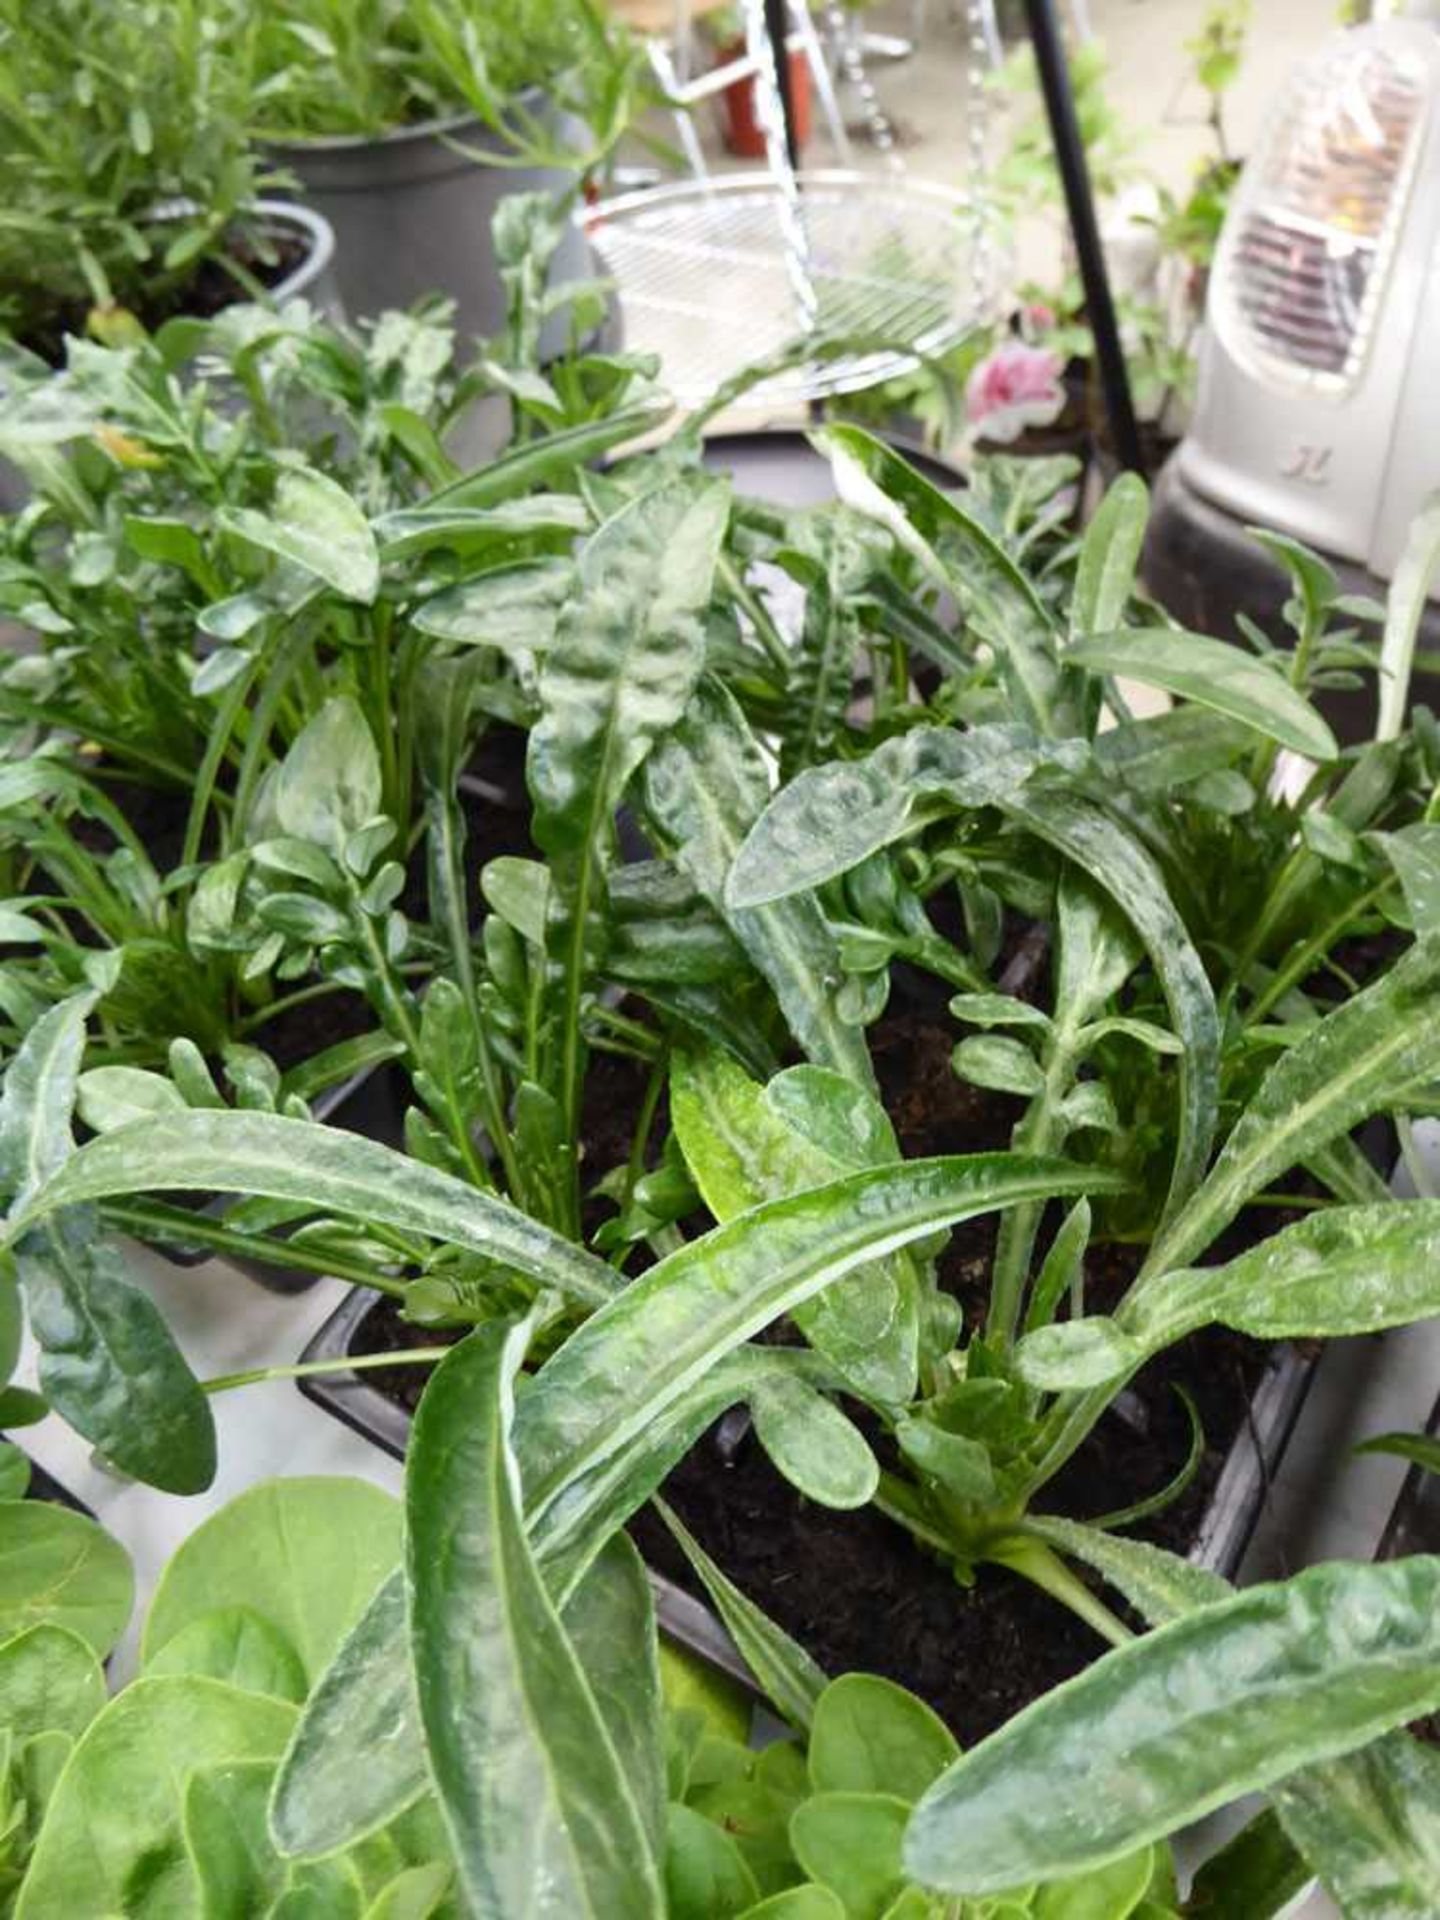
(1309,254)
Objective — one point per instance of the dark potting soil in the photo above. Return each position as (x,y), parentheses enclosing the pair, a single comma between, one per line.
(853,1587)
(208,291)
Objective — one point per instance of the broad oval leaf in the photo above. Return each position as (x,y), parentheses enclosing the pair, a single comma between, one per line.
(870,1736)
(540,1812)
(851,1843)
(113,1838)
(1213,674)
(328,785)
(1223,1702)
(59,1568)
(108,1362)
(50,1681)
(305,1554)
(237,1645)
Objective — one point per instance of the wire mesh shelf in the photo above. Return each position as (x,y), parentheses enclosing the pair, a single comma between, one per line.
(709,278)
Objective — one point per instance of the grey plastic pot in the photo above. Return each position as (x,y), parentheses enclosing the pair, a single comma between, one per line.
(1220,1541)
(412,212)
(313,279)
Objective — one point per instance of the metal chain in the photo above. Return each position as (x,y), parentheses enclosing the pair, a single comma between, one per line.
(847,42)
(771,115)
(978,59)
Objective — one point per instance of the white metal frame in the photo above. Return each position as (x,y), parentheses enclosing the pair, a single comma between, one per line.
(672,64)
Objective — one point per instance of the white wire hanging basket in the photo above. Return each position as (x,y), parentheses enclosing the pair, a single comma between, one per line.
(832,280)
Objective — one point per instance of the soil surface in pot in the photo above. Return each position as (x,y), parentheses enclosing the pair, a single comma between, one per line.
(853,1587)
(214,286)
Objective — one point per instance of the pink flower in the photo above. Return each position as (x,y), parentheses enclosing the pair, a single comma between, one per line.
(1036,317)
(1013,388)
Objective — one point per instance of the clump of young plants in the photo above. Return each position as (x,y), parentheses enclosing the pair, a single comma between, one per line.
(126,170)
(323,68)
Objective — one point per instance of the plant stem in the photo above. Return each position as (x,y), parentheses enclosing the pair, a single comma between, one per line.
(157,1221)
(305,1369)
(1035,1562)
(1308,956)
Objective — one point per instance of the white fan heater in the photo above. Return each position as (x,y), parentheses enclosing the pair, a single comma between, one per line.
(1318,405)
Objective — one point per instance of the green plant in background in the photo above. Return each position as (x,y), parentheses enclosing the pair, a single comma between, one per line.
(126,171)
(323,68)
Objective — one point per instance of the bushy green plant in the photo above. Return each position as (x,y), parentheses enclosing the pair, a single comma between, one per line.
(125,162)
(329,67)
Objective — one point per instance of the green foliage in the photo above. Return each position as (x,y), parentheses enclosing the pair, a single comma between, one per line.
(125,165)
(322,68)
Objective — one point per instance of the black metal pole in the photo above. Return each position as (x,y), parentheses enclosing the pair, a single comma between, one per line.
(777,25)
(1075,176)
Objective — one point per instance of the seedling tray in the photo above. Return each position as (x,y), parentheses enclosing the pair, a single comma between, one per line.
(1223,1534)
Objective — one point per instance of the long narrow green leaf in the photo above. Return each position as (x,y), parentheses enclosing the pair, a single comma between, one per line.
(1231,1699)
(640,1354)
(792,1681)
(320,1167)
(1370,1826)
(1109,555)
(553,460)
(1347,1066)
(1409,589)
(1116,861)
(706,784)
(1333,1275)
(539,1810)
(962,555)
(364,1703)
(1159,1585)
(610,1620)
(39,1100)
(828,819)
(1213,674)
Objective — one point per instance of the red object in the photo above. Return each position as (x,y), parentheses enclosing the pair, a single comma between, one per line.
(743,136)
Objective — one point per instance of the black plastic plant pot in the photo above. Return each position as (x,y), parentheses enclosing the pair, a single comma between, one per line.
(1224,1531)
(370,1102)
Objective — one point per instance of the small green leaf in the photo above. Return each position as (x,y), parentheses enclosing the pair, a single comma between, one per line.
(50,1680)
(1109,554)
(1076,1354)
(813,1444)
(114,1825)
(1213,674)
(60,1567)
(108,1362)
(39,1097)
(706,1877)
(997,1010)
(237,1645)
(1001,1065)
(850,1842)
(110,1097)
(305,1554)
(328,785)
(870,1736)
(793,1683)
(314,524)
